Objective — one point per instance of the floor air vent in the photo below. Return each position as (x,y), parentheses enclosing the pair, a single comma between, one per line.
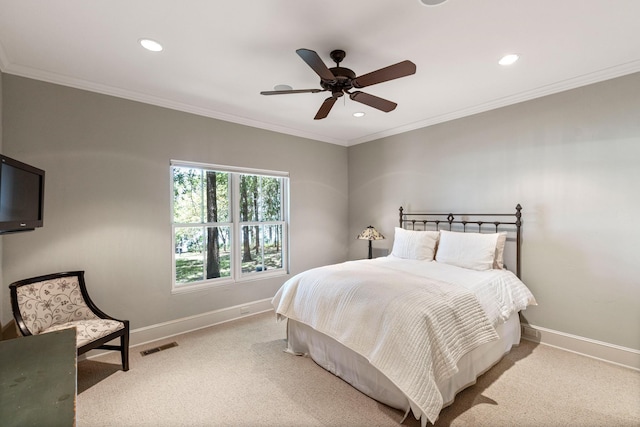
(157,349)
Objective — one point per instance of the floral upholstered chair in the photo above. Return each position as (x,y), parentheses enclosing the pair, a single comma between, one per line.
(58,301)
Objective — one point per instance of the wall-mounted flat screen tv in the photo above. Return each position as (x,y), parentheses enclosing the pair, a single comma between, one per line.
(21,196)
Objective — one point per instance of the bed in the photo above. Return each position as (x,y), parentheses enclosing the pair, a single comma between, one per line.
(414,328)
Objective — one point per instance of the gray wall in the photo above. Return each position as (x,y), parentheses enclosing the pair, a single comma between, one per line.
(571,160)
(107,196)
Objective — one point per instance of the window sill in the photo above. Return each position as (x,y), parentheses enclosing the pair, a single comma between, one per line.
(227,283)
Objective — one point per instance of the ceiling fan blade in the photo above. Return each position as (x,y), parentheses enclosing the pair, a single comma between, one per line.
(285,92)
(313,60)
(395,71)
(325,108)
(373,101)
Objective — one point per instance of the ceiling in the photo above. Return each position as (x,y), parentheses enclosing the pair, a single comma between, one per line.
(219,55)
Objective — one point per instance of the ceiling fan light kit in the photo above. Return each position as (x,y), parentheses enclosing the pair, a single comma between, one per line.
(339,80)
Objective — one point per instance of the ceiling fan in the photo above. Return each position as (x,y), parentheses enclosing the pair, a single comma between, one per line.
(339,80)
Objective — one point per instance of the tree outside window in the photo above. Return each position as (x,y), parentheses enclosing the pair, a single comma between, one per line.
(226,224)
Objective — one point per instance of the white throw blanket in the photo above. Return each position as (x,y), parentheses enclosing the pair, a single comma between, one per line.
(412,328)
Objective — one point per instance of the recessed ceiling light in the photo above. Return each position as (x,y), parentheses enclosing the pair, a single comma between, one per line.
(431,2)
(282,87)
(358,114)
(151,45)
(509,59)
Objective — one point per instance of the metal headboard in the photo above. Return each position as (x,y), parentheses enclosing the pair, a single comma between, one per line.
(490,222)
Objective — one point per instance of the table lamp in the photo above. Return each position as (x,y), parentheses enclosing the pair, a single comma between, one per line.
(370,234)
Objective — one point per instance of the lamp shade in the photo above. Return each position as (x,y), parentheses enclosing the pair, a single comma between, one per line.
(370,233)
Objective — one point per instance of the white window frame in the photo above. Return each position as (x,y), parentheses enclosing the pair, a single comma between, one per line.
(237,276)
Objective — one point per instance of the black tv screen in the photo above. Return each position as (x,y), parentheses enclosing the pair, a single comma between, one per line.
(21,196)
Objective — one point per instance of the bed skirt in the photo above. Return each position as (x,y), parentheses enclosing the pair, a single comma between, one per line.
(357,371)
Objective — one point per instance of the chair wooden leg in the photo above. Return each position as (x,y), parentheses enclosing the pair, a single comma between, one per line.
(124,341)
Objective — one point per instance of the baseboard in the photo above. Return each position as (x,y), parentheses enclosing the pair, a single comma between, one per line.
(152,333)
(623,356)
(148,334)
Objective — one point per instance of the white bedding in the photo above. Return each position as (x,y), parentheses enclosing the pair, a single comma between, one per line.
(353,368)
(412,320)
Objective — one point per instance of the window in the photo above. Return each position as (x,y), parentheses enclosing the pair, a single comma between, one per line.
(228,224)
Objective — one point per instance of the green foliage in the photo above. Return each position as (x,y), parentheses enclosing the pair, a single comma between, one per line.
(189,195)
(264,197)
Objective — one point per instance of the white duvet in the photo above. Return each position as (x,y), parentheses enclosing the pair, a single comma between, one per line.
(412,320)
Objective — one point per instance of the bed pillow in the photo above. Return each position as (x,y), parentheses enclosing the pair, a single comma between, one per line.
(498,261)
(475,251)
(410,244)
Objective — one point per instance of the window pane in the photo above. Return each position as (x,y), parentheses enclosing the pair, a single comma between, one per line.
(188,194)
(218,254)
(260,198)
(189,254)
(272,239)
(261,247)
(202,253)
(200,196)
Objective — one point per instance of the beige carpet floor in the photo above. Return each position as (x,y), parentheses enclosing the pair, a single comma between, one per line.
(236,374)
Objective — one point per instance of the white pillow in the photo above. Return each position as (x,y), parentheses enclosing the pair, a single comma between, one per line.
(410,244)
(475,251)
(498,261)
